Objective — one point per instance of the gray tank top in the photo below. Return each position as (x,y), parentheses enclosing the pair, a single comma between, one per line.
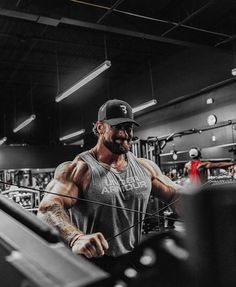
(129,188)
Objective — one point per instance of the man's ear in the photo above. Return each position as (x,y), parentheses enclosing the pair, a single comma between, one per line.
(100,127)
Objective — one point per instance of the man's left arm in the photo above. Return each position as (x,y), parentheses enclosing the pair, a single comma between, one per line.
(162,186)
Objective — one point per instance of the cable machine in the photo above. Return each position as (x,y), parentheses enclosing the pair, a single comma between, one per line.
(151,149)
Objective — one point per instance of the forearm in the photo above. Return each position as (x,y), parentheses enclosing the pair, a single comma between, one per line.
(91,245)
(169,193)
(173,197)
(58,217)
(226,164)
(175,202)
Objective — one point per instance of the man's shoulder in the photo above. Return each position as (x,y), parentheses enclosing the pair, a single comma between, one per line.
(80,164)
(75,166)
(149,165)
(63,167)
(143,161)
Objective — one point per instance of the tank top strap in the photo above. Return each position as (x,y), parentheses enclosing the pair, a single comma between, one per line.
(93,165)
(87,157)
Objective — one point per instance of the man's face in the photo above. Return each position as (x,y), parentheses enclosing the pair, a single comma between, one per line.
(118,138)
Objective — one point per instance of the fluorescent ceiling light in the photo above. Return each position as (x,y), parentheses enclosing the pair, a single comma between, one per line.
(210,101)
(104,66)
(80,132)
(2,141)
(144,106)
(25,123)
(233,71)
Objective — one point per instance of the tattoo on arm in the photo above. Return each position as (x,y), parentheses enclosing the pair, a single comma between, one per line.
(57,216)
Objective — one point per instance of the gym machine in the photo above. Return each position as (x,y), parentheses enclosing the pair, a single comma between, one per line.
(32,253)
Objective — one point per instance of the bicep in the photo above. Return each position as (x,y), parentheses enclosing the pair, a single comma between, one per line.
(58,193)
(61,190)
(162,186)
(157,174)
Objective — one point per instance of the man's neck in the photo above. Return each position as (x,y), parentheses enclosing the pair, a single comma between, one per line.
(104,155)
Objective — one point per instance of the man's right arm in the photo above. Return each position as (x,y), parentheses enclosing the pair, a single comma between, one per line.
(54,206)
(54,210)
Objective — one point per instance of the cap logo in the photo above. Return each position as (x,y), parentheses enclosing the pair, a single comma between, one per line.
(115,112)
(124,109)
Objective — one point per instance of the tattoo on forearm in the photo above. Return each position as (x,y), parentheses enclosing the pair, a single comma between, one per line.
(58,217)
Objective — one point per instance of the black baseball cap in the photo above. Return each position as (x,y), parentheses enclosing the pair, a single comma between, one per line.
(115,112)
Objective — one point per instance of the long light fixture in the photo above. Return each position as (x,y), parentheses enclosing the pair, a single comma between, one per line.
(77,133)
(24,123)
(144,106)
(3,140)
(92,75)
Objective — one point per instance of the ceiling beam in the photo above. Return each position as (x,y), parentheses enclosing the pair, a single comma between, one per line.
(113,7)
(232,38)
(135,15)
(97,27)
(195,13)
(129,33)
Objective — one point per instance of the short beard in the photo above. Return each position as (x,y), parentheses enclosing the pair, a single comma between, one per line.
(115,147)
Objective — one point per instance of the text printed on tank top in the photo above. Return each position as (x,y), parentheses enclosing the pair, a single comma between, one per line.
(130,183)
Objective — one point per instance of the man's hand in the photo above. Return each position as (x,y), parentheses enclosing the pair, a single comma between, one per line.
(91,245)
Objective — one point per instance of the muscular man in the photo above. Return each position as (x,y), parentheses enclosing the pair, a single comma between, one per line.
(108,173)
(197,170)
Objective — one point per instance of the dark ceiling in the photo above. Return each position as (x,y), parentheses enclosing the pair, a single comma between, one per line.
(48,45)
